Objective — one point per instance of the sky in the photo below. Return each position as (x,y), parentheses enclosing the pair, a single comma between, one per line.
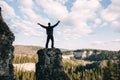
(91,24)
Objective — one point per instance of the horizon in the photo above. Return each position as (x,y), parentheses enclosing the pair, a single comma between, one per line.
(66,48)
(95,25)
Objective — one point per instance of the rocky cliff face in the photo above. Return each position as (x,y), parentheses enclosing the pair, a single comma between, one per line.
(49,66)
(6,51)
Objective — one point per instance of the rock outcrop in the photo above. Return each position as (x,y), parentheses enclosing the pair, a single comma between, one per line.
(6,51)
(49,66)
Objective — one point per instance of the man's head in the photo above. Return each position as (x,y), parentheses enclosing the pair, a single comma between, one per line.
(49,24)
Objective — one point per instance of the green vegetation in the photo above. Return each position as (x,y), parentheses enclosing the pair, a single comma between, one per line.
(99,55)
(67,52)
(74,70)
(19,59)
(106,66)
(104,55)
(93,71)
(24,75)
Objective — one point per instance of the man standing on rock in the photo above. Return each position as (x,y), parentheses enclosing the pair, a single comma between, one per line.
(49,32)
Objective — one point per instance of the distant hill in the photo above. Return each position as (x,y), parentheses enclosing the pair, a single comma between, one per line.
(96,55)
(31,50)
(23,49)
(82,54)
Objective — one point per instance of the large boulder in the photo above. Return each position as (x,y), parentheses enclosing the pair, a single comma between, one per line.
(49,66)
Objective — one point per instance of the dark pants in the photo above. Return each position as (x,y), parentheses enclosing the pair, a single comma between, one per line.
(48,39)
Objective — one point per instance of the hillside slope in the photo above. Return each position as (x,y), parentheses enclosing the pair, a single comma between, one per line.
(31,50)
(26,50)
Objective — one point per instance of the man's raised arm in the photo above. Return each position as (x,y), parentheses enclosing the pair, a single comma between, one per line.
(56,24)
(41,25)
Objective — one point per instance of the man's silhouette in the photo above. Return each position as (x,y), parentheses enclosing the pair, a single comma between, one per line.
(0,11)
(49,32)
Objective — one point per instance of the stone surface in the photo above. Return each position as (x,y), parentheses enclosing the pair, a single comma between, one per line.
(6,51)
(49,66)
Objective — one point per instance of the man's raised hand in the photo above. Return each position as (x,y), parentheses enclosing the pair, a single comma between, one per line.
(38,23)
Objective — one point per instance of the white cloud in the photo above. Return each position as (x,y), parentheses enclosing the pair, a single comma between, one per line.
(28,24)
(111,14)
(108,45)
(9,14)
(27,3)
(74,22)
(105,43)
(97,43)
(53,8)
(10,0)
(116,23)
(26,8)
(116,41)
(7,9)
(98,21)
(61,1)
(80,14)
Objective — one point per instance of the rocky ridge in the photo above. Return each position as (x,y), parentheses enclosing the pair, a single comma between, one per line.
(6,51)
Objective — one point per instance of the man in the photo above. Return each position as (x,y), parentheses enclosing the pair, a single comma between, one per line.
(49,32)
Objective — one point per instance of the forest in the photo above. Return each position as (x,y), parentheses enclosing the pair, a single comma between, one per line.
(105,66)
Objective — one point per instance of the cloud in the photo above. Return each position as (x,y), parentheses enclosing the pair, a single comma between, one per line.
(116,41)
(31,18)
(61,1)
(97,43)
(26,8)
(105,43)
(10,0)
(108,45)
(7,9)
(27,3)
(77,19)
(53,8)
(9,14)
(111,14)
(26,25)
(75,23)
